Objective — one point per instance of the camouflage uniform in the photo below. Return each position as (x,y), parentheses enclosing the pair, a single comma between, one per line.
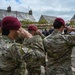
(34,64)
(20,40)
(59,48)
(11,62)
(0,35)
(73,60)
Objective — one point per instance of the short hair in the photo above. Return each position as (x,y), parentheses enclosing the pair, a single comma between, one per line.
(57,25)
(5,31)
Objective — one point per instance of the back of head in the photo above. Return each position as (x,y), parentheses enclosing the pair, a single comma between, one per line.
(32,27)
(58,23)
(10,23)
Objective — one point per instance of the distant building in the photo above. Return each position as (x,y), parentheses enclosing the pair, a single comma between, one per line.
(73,18)
(72,21)
(20,15)
(47,19)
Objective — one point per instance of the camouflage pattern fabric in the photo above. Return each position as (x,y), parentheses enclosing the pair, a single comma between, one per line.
(59,48)
(11,62)
(0,35)
(19,40)
(34,64)
(42,36)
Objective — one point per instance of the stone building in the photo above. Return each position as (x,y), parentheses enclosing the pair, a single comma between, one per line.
(20,15)
(73,18)
(47,19)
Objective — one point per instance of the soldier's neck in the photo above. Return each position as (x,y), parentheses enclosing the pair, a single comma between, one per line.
(11,36)
(60,29)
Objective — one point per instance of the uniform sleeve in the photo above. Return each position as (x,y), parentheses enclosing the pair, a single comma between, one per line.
(42,36)
(20,40)
(9,59)
(35,47)
(14,52)
(70,39)
(35,42)
(46,42)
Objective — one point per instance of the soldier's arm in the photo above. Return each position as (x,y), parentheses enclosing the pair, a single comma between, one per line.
(70,28)
(35,42)
(42,36)
(70,38)
(38,32)
(35,45)
(24,33)
(14,52)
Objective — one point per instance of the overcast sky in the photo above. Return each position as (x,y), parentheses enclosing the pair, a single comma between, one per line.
(58,8)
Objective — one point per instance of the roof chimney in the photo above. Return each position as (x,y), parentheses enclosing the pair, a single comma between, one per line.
(9,9)
(30,12)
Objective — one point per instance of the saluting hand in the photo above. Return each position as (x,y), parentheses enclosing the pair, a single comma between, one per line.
(24,33)
(69,28)
(38,32)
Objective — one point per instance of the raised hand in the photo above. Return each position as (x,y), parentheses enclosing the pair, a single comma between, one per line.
(24,33)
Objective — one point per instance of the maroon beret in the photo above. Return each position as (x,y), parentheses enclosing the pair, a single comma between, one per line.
(11,23)
(32,27)
(60,20)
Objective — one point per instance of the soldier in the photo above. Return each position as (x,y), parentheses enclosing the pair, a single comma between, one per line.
(35,31)
(36,43)
(10,59)
(14,55)
(59,48)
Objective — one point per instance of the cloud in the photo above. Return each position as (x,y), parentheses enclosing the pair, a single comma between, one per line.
(60,8)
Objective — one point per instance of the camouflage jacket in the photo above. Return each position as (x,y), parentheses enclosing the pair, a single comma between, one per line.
(36,45)
(13,55)
(59,48)
(0,35)
(19,39)
(11,62)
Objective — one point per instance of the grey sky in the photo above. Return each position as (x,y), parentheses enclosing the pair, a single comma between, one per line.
(58,8)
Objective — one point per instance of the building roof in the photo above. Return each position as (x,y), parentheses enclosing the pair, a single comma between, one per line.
(20,15)
(48,18)
(73,18)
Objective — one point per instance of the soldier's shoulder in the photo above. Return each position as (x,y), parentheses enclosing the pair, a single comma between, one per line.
(37,37)
(34,39)
(15,45)
(69,35)
(47,37)
(18,44)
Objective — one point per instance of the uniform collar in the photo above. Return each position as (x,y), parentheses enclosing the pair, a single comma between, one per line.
(57,31)
(7,38)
